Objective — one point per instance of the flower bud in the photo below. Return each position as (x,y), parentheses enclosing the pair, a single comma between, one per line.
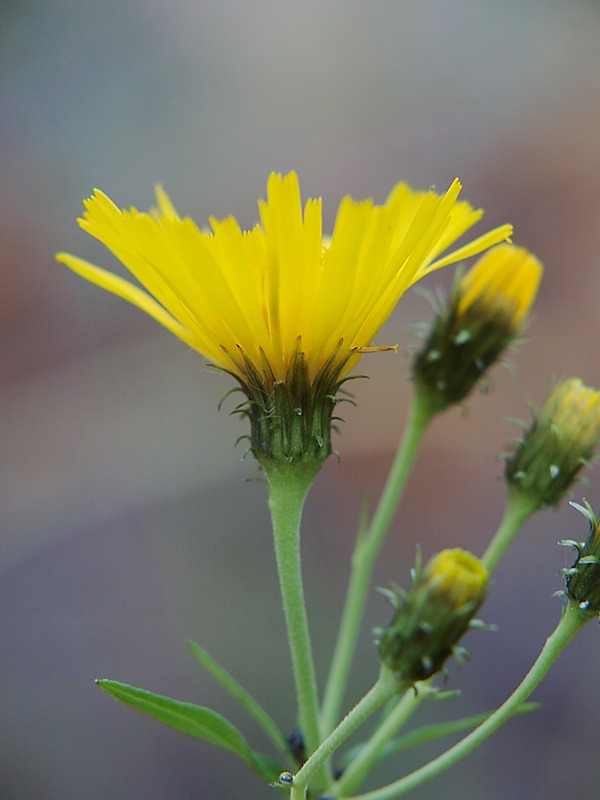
(485,312)
(583,578)
(559,442)
(433,615)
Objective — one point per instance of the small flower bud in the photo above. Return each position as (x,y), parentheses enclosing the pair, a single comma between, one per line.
(583,578)
(559,442)
(485,312)
(433,615)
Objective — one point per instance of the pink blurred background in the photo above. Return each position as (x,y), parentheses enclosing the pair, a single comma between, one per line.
(126,524)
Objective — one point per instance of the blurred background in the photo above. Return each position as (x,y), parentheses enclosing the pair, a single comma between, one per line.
(127,522)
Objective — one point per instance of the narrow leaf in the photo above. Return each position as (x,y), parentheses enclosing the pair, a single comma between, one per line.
(193,720)
(431,733)
(237,691)
(197,721)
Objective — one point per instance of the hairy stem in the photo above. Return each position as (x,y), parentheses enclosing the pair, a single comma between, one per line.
(363,559)
(571,622)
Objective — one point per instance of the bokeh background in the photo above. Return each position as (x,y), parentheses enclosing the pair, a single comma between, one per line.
(127,523)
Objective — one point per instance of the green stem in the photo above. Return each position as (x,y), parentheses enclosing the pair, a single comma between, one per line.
(288,487)
(365,553)
(370,754)
(571,622)
(382,691)
(518,509)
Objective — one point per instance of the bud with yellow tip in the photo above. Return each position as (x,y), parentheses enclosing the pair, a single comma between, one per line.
(485,312)
(433,615)
(560,441)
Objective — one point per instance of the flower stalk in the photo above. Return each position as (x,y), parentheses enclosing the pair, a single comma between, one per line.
(366,551)
(519,508)
(288,489)
(570,624)
(370,754)
(383,690)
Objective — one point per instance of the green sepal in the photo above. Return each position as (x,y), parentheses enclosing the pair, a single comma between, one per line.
(237,691)
(290,419)
(196,721)
(432,733)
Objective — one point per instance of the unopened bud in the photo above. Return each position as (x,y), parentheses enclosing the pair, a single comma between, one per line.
(560,441)
(485,312)
(433,615)
(583,578)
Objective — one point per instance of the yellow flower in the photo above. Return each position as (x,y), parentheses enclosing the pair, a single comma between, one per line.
(255,302)
(484,314)
(560,441)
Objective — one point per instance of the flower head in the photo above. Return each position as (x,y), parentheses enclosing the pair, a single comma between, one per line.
(560,441)
(433,615)
(583,578)
(484,313)
(278,306)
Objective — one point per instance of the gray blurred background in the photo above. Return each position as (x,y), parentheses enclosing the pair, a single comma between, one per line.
(127,526)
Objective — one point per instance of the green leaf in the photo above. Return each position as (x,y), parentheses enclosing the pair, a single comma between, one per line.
(431,733)
(197,721)
(193,720)
(237,691)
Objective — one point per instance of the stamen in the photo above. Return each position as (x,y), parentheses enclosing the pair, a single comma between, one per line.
(376,348)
